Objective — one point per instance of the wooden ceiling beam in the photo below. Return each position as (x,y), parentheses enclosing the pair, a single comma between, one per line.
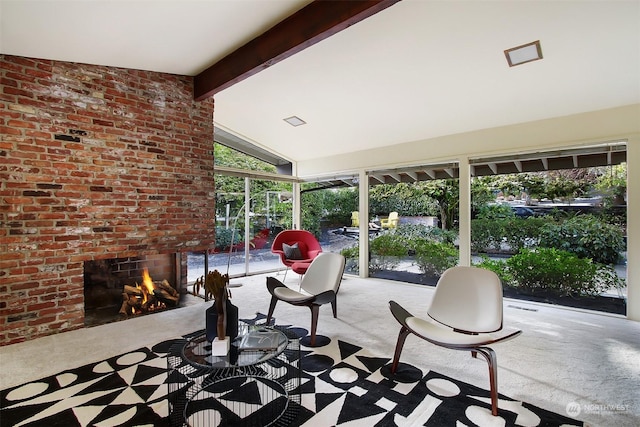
(315,22)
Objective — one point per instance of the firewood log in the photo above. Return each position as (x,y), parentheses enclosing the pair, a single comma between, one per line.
(132,290)
(131,303)
(164,295)
(125,306)
(134,301)
(151,300)
(164,285)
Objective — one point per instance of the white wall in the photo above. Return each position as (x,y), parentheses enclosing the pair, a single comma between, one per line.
(616,124)
(560,132)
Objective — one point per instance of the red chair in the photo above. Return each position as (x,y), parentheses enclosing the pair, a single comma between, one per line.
(297,247)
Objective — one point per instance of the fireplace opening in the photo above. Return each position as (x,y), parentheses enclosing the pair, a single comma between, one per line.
(121,288)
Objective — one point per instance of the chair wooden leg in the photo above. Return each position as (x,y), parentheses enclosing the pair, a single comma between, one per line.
(334,307)
(272,307)
(402,336)
(492,361)
(315,310)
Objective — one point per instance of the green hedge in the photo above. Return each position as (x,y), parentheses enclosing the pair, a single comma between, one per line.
(421,231)
(556,271)
(386,251)
(434,257)
(487,235)
(586,236)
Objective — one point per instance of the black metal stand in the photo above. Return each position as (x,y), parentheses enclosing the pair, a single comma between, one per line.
(247,389)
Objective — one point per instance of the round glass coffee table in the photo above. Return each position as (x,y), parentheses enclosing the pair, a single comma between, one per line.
(253,385)
(269,342)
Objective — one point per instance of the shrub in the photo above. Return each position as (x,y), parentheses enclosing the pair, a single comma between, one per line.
(421,231)
(224,235)
(351,252)
(497,266)
(389,244)
(495,212)
(587,237)
(434,257)
(412,231)
(486,235)
(442,236)
(386,251)
(351,258)
(560,272)
(523,232)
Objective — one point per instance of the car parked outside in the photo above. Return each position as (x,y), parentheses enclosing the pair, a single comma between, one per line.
(522,211)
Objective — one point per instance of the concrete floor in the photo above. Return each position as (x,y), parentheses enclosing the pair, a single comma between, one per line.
(564,356)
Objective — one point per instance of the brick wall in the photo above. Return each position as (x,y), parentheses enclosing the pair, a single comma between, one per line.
(95,162)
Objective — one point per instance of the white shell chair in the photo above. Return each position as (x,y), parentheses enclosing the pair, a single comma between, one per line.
(319,285)
(467,306)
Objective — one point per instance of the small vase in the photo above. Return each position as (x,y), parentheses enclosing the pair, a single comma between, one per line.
(211,321)
(221,324)
(232,320)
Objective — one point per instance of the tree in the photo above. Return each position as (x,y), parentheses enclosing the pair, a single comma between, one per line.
(508,184)
(333,205)
(568,183)
(612,183)
(481,192)
(225,156)
(447,194)
(433,198)
(533,184)
(407,199)
(230,189)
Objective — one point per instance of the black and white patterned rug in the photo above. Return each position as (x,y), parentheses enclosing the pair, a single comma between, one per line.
(341,385)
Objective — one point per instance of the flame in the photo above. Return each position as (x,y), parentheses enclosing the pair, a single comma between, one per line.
(148,286)
(144,293)
(147,282)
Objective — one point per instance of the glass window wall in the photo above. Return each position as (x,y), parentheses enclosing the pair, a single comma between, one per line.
(327,213)
(413,230)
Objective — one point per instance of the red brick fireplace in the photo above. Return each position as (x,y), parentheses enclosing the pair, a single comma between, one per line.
(115,288)
(95,163)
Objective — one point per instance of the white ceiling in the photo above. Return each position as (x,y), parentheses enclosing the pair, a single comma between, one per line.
(417,70)
(173,36)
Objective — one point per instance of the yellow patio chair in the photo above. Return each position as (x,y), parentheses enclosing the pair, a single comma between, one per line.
(390,222)
(355,219)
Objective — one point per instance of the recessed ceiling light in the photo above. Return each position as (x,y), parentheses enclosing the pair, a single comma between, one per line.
(523,54)
(295,121)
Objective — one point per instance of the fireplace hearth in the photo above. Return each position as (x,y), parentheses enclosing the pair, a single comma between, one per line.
(120,288)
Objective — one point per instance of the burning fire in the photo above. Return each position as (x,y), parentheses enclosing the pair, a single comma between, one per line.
(150,296)
(147,287)
(147,282)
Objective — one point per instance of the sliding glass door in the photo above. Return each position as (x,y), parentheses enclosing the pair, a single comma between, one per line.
(270,211)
